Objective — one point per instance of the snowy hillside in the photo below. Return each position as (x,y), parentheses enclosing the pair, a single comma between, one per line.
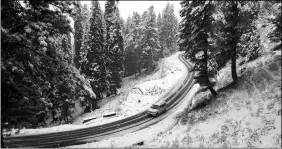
(135,96)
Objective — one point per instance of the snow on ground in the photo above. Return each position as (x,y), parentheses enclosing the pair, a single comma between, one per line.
(247,114)
(136,95)
(139,94)
(171,118)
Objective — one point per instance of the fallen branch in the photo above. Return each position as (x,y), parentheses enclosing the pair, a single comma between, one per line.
(138,89)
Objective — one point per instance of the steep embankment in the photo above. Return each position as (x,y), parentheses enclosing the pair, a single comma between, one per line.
(245,114)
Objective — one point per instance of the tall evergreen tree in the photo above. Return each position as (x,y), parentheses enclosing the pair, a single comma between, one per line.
(86,14)
(127,25)
(276,35)
(95,55)
(66,48)
(144,17)
(136,20)
(159,21)
(150,40)
(238,32)
(198,21)
(132,48)
(114,45)
(169,29)
(234,26)
(249,45)
(163,49)
(231,15)
(78,34)
(36,77)
(185,26)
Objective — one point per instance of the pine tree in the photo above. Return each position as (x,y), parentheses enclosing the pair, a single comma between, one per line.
(136,20)
(114,45)
(144,17)
(238,33)
(232,30)
(127,25)
(86,14)
(249,45)
(276,35)
(159,21)
(169,29)
(122,23)
(36,77)
(95,55)
(163,49)
(185,26)
(78,34)
(150,40)
(132,49)
(66,48)
(198,21)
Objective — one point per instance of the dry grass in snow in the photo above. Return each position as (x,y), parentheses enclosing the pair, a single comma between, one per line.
(246,114)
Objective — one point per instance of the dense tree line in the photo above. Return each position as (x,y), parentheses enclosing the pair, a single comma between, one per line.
(147,38)
(47,66)
(214,33)
(38,77)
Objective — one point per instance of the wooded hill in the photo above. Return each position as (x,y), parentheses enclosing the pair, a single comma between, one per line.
(57,53)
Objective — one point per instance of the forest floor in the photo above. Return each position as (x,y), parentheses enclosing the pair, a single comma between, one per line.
(243,114)
(137,94)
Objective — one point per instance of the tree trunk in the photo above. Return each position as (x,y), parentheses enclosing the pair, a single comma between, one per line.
(212,90)
(233,66)
(91,107)
(234,41)
(2,142)
(139,68)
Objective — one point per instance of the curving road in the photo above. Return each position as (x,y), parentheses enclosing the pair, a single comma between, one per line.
(85,135)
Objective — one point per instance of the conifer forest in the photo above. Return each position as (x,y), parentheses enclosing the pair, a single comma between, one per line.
(56,54)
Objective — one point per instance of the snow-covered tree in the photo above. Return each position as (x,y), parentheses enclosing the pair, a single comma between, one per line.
(238,33)
(78,34)
(185,26)
(94,65)
(37,78)
(249,46)
(127,25)
(86,14)
(276,35)
(159,21)
(149,40)
(197,24)
(114,45)
(168,29)
(132,48)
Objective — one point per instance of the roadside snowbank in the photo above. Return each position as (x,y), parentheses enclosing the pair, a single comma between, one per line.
(136,95)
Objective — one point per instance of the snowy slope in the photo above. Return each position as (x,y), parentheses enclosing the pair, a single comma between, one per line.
(135,96)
